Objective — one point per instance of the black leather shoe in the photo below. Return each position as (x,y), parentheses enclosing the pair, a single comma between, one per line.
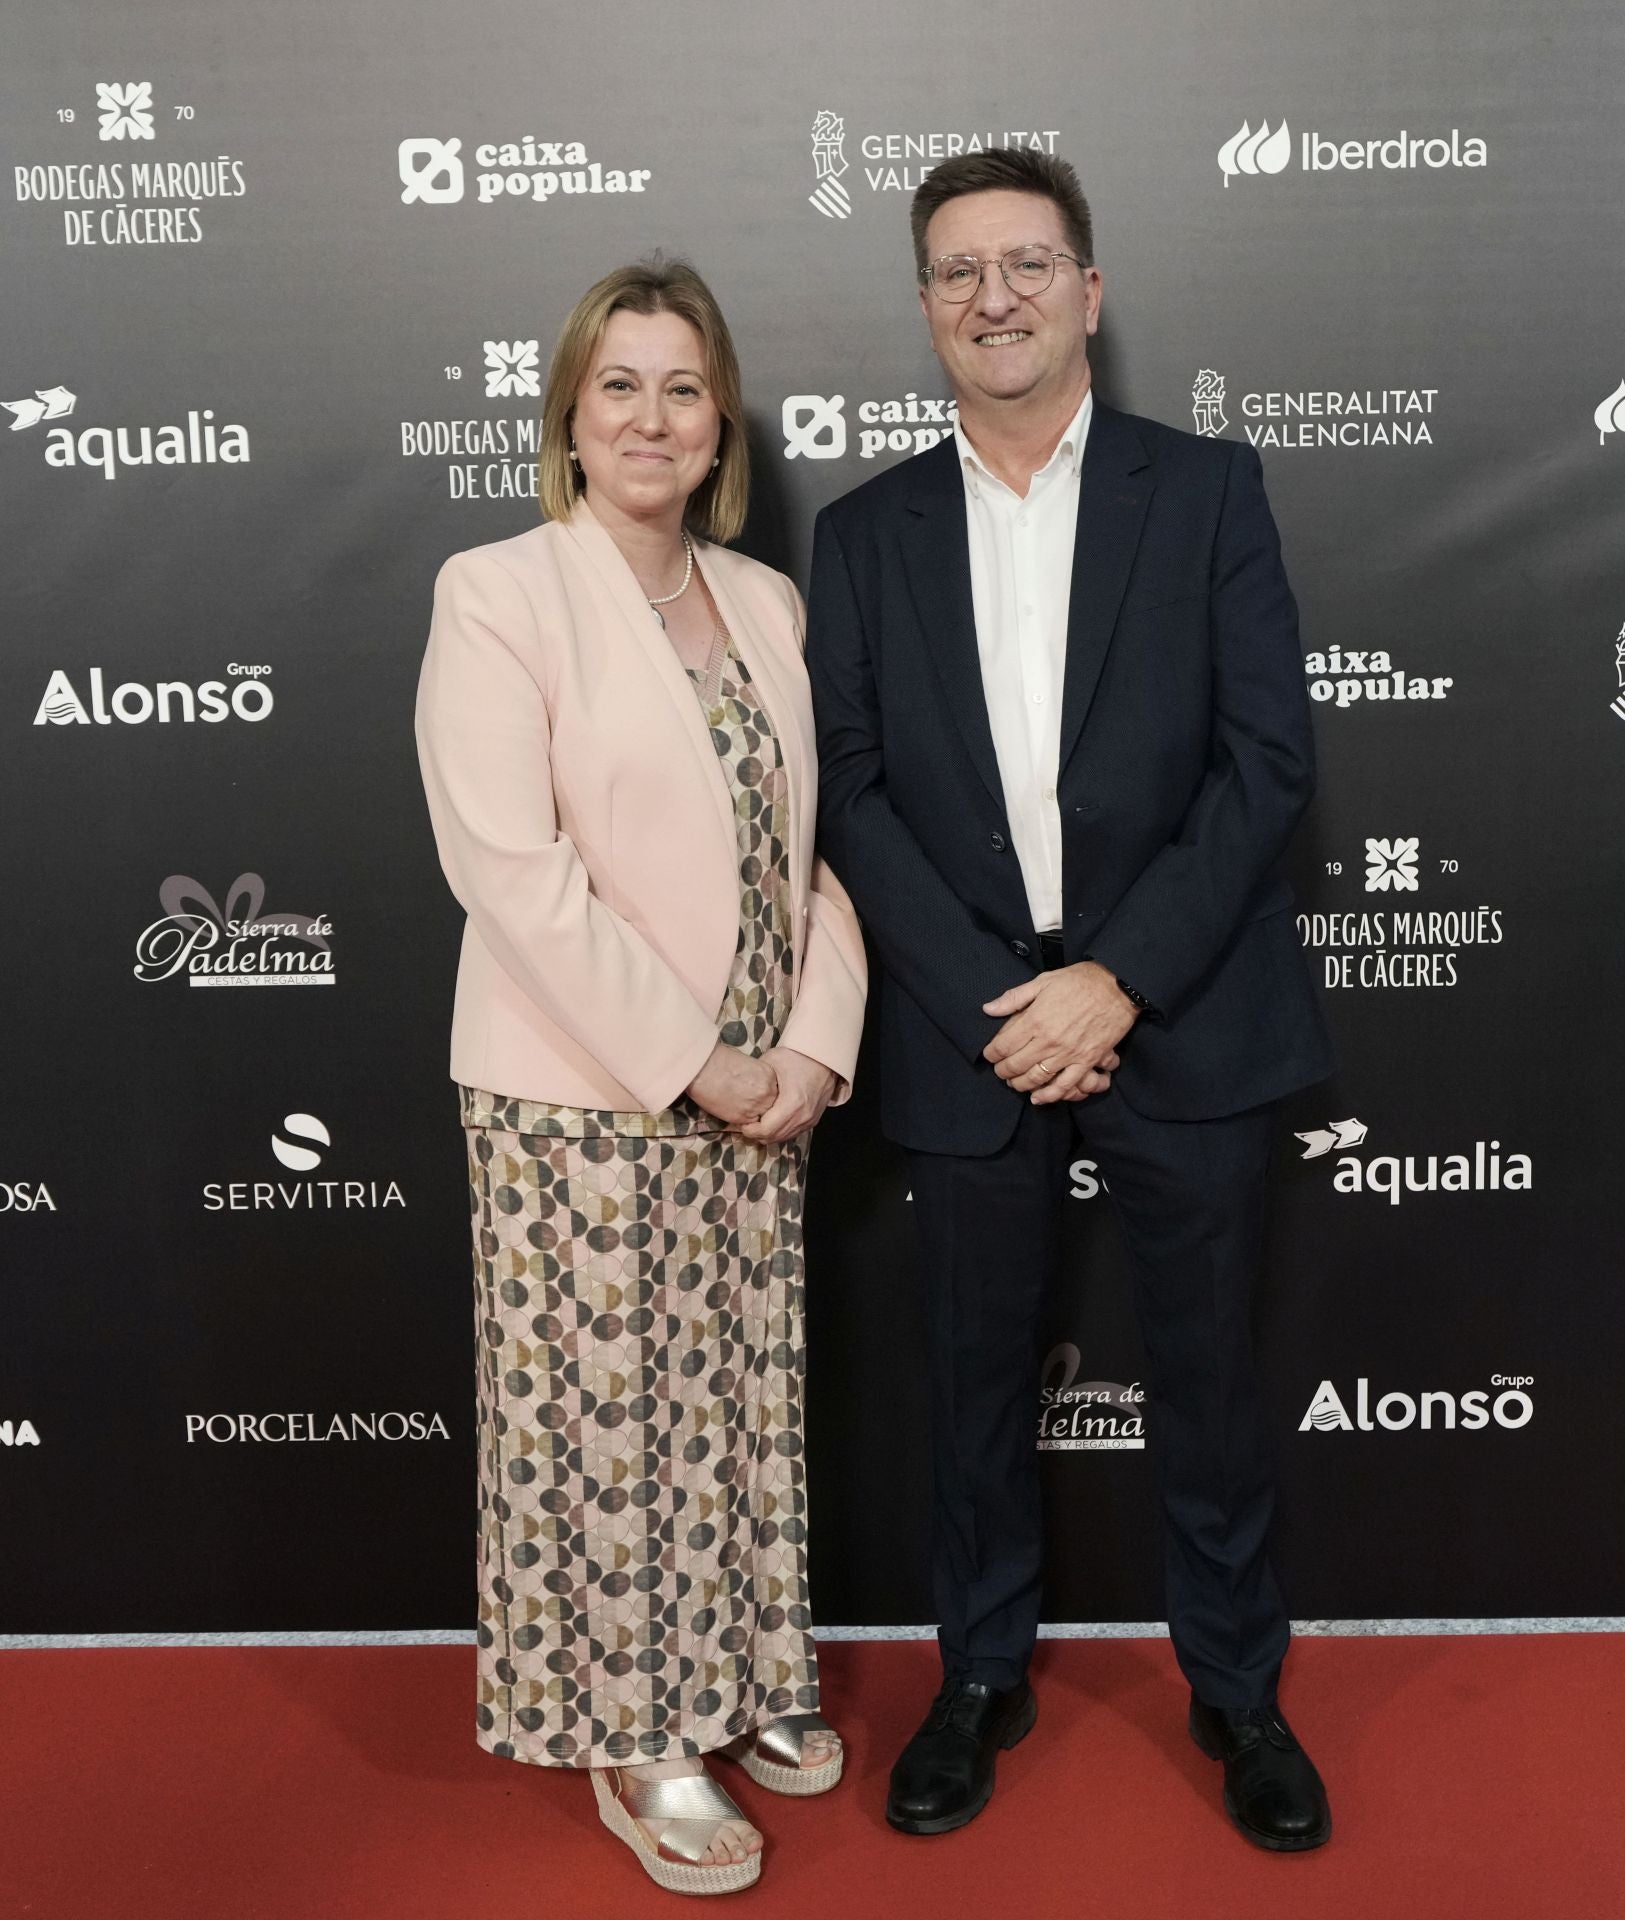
(1272,1793)
(944,1776)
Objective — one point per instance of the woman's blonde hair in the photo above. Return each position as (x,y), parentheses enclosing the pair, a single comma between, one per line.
(716,508)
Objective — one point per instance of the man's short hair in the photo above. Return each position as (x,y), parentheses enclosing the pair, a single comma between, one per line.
(1005,170)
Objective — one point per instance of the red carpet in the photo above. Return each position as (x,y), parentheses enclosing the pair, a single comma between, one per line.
(1471,1779)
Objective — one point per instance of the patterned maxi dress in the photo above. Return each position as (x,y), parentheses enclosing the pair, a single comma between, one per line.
(638,1283)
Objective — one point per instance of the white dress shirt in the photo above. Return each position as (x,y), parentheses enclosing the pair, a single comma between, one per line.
(1021,587)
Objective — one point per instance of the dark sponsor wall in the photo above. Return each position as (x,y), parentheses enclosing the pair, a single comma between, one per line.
(281,293)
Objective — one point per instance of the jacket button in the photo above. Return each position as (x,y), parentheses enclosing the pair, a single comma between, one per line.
(1021,947)
(997,842)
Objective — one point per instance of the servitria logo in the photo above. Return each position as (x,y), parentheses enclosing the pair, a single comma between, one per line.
(301,1145)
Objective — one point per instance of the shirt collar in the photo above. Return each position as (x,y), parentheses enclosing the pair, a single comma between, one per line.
(1067,457)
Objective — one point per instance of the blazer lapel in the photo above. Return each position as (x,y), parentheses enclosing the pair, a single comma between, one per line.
(1114,490)
(657,651)
(936,559)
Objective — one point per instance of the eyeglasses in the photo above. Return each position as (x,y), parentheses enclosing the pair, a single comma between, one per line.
(1027,270)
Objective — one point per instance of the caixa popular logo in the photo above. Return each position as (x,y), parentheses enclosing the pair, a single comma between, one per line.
(1432,1410)
(815,425)
(25,1196)
(1086,1416)
(433,172)
(243,943)
(301,1144)
(200,441)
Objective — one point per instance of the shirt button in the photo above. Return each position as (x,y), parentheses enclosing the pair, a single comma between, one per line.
(1049,793)
(997,842)
(1038,699)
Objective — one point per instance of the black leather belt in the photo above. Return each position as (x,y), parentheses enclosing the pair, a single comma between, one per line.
(1051,952)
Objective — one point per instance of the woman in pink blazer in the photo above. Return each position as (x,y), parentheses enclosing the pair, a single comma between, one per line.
(660,990)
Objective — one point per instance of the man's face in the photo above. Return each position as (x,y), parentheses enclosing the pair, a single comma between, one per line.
(1002,345)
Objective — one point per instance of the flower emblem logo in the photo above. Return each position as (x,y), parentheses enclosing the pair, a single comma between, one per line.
(125,108)
(511,369)
(1392,864)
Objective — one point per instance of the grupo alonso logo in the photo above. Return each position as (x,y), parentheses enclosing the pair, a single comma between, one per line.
(134,703)
(1430,1410)
(241,944)
(1086,1416)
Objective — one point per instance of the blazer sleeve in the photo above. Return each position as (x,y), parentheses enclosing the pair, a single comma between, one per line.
(483,738)
(1188,904)
(826,1020)
(923,932)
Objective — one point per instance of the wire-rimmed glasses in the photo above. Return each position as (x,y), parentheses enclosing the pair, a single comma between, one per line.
(1027,270)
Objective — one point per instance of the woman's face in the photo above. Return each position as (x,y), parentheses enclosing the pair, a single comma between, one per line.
(646,427)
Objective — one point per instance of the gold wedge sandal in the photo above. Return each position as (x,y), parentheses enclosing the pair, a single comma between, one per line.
(694,1806)
(772,1755)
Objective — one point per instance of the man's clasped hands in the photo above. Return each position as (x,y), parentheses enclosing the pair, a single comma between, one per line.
(1060,1033)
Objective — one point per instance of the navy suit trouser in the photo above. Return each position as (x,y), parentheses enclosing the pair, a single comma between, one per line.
(1190,1199)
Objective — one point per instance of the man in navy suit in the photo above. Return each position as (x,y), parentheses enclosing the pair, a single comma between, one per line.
(1063,743)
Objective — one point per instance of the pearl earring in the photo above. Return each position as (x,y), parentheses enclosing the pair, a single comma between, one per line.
(716,463)
(575,458)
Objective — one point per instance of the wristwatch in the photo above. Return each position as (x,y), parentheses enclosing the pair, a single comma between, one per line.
(1130,993)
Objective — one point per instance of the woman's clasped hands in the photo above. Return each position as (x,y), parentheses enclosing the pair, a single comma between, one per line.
(768,1099)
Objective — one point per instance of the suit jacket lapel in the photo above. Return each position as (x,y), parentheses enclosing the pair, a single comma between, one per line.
(936,559)
(1114,490)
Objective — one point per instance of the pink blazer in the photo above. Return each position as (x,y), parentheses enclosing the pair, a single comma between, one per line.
(585,825)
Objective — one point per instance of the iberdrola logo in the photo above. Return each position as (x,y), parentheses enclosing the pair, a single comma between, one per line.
(1610,416)
(1260,152)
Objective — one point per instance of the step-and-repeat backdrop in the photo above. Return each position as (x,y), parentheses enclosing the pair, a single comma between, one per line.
(281,287)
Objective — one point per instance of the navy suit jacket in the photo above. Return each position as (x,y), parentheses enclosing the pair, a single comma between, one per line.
(1186,762)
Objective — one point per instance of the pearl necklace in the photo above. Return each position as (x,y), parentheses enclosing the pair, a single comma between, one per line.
(688,574)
